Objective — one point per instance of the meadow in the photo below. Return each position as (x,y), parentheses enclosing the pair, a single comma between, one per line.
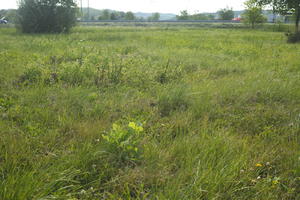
(149,113)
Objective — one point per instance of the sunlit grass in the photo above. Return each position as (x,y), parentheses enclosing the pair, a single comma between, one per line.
(218,110)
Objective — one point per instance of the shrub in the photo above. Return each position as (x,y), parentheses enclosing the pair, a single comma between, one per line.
(44,16)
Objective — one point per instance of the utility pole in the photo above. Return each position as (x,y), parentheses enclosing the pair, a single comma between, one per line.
(88,9)
(81,9)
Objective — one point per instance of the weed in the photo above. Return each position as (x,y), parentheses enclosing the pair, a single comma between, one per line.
(123,142)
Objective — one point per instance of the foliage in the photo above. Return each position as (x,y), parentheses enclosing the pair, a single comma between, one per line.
(124,141)
(284,7)
(253,14)
(198,16)
(154,17)
(129,16)
(202,17)
(43,16)
(111,15)
(226,14)
(183,15)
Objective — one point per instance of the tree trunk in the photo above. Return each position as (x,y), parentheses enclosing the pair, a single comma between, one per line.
(297,19)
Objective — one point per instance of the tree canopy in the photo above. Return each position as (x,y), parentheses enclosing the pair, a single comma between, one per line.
(253,14)
(284,7)
(154,17)
(45,16)
(226,14)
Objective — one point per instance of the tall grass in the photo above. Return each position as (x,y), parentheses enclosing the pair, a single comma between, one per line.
(216,114)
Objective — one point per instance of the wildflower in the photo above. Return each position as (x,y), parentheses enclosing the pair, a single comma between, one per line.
(82,192)
(135,127)
(275,182)
(258,165)
(259,177)
(132,125)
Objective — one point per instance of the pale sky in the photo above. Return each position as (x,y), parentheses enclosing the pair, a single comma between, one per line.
(163,6)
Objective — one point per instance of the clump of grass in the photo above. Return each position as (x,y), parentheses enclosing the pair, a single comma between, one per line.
(109,73)
(30,76)
(173,99)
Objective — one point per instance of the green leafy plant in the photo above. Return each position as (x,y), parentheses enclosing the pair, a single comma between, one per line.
(123,142)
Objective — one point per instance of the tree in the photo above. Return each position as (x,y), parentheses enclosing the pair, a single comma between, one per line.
(183,15)
(226,14)
(284,7)
(113,16)
(211,16)
(105,15)
(201,16)
(253,14)
(154,17)
(129,16)
(44,16)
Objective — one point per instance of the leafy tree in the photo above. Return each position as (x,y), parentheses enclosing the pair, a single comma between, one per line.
(226,14)
(183,15)
(129,16)
(105,15)
(200,16)
(211,16)
(45,16)
(253,14)
(154,17)
(113,16)
(284,7)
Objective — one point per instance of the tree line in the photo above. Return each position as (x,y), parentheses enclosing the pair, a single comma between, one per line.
(40,16)
(119,15)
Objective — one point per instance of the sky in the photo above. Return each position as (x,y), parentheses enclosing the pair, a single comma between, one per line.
(163,6)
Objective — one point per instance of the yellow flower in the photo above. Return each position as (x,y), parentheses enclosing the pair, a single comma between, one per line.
(275,182)
(132,125)
(135,127)
(258,165)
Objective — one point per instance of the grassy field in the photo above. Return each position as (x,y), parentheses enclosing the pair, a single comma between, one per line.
(149,113)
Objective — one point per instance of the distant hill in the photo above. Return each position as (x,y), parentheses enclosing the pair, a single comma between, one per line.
(95,13)
(163,16)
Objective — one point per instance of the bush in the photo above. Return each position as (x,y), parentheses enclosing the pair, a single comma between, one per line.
(44,16)
(293,37)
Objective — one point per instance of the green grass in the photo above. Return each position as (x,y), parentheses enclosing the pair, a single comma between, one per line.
(220,111)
